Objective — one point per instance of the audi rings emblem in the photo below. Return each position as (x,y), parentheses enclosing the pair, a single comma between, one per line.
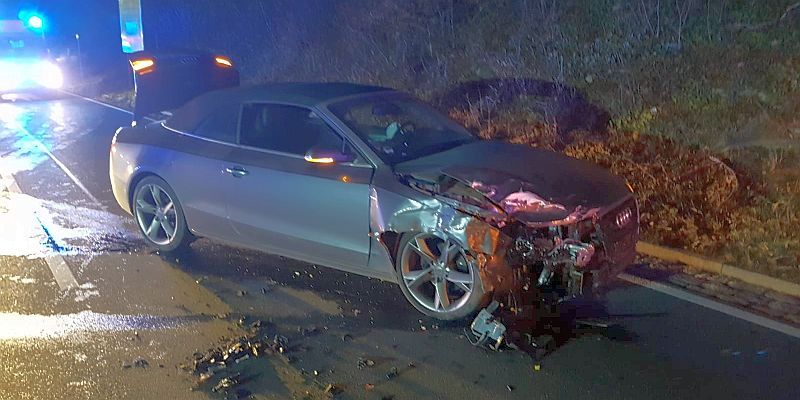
(624,217)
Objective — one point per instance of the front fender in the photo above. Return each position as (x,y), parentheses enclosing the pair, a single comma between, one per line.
(487,244)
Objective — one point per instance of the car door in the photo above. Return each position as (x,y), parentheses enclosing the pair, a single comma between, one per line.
(283,203)
(198,175)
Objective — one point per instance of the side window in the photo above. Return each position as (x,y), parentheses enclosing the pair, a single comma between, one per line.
(220,125)
(287,129)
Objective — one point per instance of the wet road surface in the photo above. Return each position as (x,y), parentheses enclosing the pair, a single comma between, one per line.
(88,312)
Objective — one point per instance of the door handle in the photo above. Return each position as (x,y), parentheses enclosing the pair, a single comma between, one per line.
(237,172)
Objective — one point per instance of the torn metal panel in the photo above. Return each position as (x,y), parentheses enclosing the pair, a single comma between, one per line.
(393,213)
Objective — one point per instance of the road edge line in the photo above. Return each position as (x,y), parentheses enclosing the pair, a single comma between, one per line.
(713,305)
(67,172)
(111,106)
(718,268)
(100,103)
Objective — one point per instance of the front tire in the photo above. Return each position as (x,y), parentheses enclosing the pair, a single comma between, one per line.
(159,216)
(438,277)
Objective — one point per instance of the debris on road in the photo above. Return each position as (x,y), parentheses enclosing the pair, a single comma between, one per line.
(226,383)
(310,331)
(140,362)
(333,389)
(365,362)
(231,367)
(487,330)
(205,376)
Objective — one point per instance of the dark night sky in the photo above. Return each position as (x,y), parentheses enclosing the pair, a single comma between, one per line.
(97,22)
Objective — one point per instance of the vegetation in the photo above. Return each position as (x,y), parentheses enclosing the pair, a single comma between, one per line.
(703,95)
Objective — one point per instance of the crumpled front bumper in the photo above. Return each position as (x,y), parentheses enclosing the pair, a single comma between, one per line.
(584,265)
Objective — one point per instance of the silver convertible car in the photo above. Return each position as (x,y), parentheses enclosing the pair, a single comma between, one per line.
(367,180)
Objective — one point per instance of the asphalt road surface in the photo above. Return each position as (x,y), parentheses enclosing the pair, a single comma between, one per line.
(86,311)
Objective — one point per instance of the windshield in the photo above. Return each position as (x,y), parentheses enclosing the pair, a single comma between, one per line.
(400,128)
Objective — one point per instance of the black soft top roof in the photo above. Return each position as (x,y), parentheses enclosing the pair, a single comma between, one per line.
(188,117)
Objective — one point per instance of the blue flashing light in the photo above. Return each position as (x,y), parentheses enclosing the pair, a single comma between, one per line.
(35,22)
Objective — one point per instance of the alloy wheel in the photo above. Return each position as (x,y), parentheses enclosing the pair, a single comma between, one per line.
(156,214)
(437,273)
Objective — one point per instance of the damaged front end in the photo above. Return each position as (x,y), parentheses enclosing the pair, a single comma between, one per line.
(579,254)
(524,243)
(532,253)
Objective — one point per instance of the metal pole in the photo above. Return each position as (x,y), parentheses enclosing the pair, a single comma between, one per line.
(80,55)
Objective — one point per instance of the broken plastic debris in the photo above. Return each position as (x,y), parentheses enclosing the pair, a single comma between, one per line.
(333,389)
(226,383)
(365,362)
(242,358)
(140,363)
(487,330)
(279,343)
(205,376)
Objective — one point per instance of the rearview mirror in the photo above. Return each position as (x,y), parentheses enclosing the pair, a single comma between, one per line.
(327,156)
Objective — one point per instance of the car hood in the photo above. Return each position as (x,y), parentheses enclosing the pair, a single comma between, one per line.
(532,185)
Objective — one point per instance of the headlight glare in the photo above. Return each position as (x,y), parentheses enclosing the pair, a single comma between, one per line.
(48,75)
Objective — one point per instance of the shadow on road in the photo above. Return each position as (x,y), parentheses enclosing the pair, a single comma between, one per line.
(368,304)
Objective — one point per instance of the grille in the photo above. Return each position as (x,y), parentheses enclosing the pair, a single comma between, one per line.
(189,60)
(619,242)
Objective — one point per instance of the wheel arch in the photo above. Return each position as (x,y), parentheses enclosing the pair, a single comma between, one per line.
(137,177)
(391,241)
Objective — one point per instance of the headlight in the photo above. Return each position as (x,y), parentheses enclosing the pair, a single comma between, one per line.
(10,76)
(48,75)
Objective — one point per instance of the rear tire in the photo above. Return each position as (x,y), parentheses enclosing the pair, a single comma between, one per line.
(159,216)
(437,277)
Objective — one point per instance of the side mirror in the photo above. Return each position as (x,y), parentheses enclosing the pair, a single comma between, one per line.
(327,156)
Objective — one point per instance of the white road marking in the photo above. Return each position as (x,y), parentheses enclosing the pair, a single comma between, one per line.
(58,266)
(66,171)
(113,107)
(61,271)
(707,303)
(91,100)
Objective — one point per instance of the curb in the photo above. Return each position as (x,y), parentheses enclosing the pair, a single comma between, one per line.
(719,268)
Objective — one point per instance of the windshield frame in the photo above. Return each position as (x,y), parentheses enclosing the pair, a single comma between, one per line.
(330,109)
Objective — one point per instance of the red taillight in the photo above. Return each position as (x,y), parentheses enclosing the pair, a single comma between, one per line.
(143,65)
(223,61)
